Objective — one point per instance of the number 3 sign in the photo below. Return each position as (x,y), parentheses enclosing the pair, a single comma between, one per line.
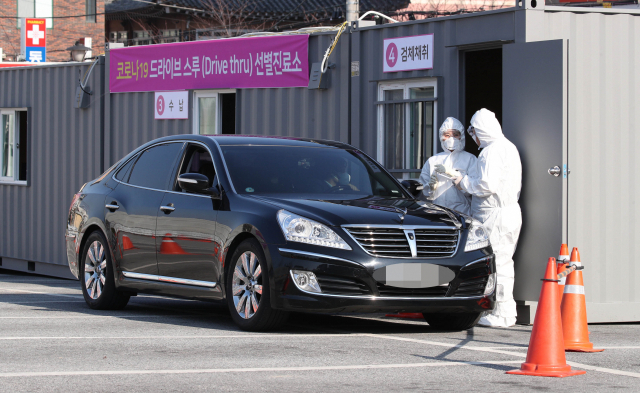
(408,53)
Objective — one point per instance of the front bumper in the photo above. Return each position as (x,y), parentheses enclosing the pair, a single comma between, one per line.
(349,286)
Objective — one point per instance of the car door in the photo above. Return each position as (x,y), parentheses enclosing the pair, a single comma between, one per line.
(132,207)
(185,243)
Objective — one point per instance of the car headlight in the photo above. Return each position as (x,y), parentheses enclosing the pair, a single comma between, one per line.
(302,230)
(477,237)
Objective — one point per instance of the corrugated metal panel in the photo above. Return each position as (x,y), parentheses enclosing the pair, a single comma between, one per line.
(132,123)
(604,88)
(322,114)
(64,152)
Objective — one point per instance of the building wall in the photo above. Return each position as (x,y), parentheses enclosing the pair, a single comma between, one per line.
(64,150)
(65,31)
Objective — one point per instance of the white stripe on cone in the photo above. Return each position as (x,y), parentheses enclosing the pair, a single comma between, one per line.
(574,289)
(563,280)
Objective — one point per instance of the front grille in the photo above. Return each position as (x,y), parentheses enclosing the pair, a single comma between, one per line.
(439,291)
(333,285)
(473,287)
(436,243)
(393,243)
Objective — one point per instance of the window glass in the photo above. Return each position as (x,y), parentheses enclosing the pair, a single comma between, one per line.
(154,167)
(8,144)
(331,173)
(207,115)
(90,10)
(198,160)
(123,173)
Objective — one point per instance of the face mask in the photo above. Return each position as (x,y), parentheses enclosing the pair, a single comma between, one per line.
(452,144)
(343,178)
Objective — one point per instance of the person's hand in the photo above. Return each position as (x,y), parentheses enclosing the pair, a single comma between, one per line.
(456,181)
(433,181)
(440,168)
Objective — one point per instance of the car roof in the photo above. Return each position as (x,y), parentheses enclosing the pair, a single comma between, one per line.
(261,140)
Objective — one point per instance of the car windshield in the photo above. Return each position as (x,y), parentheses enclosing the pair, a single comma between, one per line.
(308,171)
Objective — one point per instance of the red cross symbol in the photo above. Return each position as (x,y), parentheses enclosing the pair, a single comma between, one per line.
(35,35)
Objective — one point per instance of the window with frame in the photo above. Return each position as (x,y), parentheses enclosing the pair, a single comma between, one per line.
(406,119)
(36,9)
(14,152)
(214,112)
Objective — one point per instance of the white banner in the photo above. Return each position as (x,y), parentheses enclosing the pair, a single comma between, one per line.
(172,105)
(408,53)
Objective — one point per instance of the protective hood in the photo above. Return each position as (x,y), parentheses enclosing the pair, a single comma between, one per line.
(487,127)
(451,123)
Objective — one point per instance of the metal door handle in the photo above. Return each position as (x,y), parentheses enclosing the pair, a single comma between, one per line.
(167,209)
(555,171)
(112,207)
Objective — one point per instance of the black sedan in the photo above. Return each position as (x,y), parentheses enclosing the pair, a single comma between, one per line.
(273,225)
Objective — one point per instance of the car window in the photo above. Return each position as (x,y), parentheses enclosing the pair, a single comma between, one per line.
(306,170)
(155,165)
(197,160)
(123,173)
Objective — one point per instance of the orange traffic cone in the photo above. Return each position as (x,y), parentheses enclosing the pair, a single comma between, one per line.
(408,315)
(545,356)
(574,311)
(127,244)
(563,264)
(169,246)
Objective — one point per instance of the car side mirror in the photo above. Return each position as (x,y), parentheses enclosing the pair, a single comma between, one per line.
(413,186)
(198,183)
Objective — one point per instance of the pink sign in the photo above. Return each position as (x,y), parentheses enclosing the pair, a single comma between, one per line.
(254,62)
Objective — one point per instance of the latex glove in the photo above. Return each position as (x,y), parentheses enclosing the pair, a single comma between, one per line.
(433,181)
(440,168)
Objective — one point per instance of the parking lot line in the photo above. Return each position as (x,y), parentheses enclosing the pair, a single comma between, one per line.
(244,370)
(485,349)
(40,293)
(44,301)
(182,337)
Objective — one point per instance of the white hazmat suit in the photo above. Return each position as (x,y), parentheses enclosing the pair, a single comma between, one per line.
(495,191)
(459,160)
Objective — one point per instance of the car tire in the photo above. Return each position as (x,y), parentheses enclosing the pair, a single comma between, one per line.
(248,276)
(97,278)
(452,321)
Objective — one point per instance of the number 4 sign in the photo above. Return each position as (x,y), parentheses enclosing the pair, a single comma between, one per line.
(408,53)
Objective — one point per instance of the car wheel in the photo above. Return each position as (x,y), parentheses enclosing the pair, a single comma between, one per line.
(96,280)
(452,321)
(247,288)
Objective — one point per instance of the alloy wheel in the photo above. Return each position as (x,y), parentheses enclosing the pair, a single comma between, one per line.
(95,270)
(247,285)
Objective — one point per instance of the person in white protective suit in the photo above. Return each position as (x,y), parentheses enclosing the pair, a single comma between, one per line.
(495,190)
(453,161)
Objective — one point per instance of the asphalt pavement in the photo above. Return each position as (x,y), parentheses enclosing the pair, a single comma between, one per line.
(51,341)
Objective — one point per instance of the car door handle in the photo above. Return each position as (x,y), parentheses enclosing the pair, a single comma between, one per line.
(167,209)
(112,206)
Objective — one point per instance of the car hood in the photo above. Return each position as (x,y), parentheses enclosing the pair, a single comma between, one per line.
(369,210)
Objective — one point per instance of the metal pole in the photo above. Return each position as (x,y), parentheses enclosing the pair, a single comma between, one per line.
(353,10)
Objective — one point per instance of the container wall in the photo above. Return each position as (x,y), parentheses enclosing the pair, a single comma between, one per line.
(300,112)
(450,34)
(604,88)
(64,152)
(132,123)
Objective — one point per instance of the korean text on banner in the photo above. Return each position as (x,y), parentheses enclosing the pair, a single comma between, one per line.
(408,53)
(254,62)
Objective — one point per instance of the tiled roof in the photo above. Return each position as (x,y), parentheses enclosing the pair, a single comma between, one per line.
(285,7)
